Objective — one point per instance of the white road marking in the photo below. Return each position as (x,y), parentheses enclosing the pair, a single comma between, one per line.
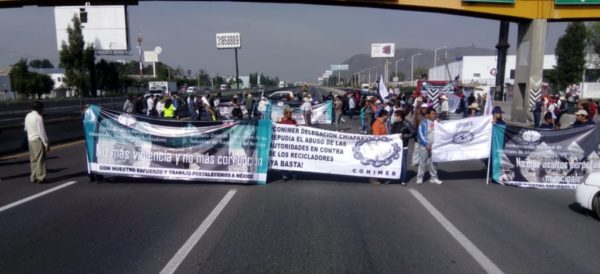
(477,254)
(197,235)
(25,200)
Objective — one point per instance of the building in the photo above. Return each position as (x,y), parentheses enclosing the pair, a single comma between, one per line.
(58,76)
(481,69)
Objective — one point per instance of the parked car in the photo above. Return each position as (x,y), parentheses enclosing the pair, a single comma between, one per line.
(280,95)
(587,193)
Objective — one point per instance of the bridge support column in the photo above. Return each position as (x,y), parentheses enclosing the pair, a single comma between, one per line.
(529,68)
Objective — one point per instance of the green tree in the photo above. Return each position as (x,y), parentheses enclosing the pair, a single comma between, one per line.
(107,76)
(418,72)
(594,36)
(77,59)
(38,84)
(570,56)
(18,76)
(41,63)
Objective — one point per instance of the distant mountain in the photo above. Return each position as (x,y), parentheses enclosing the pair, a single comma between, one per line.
(361,62)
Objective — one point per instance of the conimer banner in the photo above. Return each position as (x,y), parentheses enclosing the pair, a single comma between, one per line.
(463,139)
(307,149)
(321,113)
(557,159)
(123,144)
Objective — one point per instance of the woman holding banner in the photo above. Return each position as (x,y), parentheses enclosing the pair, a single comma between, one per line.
(407,131)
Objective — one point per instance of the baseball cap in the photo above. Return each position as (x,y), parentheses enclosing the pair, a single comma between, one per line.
(497,109)
(581,112)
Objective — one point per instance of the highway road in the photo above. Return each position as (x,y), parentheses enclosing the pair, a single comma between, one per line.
(315,224)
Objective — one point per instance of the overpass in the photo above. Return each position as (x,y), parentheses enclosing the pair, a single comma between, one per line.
(532,16)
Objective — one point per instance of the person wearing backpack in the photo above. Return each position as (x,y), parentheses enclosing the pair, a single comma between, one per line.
(407,131)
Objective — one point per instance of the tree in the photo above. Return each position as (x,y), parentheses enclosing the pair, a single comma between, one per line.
(594,37)
(38,84)
(107,76)
(77,59)
(570,56)
(18,76)
(418,72)
(41,63)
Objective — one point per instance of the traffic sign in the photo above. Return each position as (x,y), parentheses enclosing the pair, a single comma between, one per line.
(230,40)
(340,67)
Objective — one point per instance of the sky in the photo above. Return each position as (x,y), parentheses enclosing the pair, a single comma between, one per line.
(295,42)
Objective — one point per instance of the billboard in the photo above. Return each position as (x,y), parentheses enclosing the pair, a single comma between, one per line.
(150,57)
(382,50)
(230,40)
(105,27)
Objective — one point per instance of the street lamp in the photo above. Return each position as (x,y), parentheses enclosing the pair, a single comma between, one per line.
(401,59)
(435,57)
(412,71)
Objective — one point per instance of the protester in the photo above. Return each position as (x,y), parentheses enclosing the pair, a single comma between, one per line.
(150,106)
(168,109)
(160,105)
(592,109)
(379,128)
(537,112)
(307,111)
(191,103)
(548,122)
(582,119)
(138,105)
(497,116)
(128,105)
(249,105)
(444,108)
(417,119)
(370,113)
(287,119)
(351,106)
(236,112)
(338,105)
(407,131)
(473,109)
(425,135)
(262,107)
(38,142)
(363,116)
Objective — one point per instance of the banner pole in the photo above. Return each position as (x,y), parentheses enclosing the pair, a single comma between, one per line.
(487,180)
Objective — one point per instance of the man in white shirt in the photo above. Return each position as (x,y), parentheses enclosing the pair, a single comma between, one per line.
(38,142)
(307,111)
(150,103)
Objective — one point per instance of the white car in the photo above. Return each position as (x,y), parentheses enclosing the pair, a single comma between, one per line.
(279,95)
(587,193)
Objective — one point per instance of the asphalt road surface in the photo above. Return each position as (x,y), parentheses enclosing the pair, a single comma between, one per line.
(315,224)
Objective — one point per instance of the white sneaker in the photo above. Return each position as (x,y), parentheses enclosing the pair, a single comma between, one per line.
(436,181)
(419,181)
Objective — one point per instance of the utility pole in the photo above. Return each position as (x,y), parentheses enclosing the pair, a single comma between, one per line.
(139,46)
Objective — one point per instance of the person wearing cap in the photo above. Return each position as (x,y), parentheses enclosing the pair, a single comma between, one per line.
(262,107)
(582,119)
(306,108)
(425,135)
(473,109)
(444,107)
(497,116)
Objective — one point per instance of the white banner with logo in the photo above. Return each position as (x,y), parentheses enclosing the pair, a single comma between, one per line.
(299,148)
(453,102)
(464,139)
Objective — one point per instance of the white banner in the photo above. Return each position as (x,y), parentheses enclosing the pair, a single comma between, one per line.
(464,139)
(299,148)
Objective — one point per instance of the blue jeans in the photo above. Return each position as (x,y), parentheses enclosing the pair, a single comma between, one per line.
(363,126)
(404,170)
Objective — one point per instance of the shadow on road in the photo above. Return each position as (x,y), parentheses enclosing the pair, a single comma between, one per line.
(21,162)
(575,207)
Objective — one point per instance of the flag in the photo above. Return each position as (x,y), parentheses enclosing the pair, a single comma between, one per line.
(488,103)
(383,92)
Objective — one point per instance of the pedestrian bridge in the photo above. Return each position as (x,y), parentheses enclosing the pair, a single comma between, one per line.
(511,10)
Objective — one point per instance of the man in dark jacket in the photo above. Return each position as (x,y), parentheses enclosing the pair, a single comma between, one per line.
(404,127)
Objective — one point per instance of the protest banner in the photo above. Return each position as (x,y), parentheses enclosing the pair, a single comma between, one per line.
(321,113)
(464,139)
(299,148)
(555,159)
(225,109)
(453,102)
(137,146)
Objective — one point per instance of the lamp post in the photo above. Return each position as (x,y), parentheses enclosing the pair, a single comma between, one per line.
(396,73)
(412,71)
(435,58)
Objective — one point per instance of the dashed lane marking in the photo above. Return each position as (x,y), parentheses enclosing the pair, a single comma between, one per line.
(174,263)
(30,198)
(477,254)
